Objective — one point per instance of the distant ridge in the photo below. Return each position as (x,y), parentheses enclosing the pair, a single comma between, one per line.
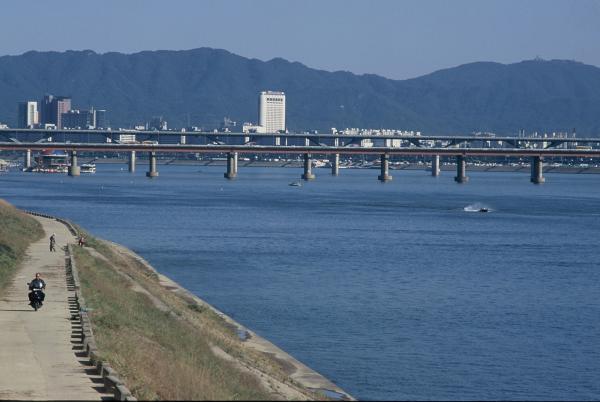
(201,86)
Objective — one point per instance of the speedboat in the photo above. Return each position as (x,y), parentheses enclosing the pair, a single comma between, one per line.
(484,210)
(295,184)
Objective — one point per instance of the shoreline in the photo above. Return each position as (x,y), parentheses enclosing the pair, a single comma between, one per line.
(296,370)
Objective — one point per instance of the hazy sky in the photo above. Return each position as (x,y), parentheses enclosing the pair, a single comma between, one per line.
(395,38)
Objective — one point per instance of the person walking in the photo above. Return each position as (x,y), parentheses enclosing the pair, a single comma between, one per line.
(53,242)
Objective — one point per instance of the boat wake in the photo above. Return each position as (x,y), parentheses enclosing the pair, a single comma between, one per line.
(477,207)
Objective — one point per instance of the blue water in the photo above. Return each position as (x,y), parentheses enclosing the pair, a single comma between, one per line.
(393,291)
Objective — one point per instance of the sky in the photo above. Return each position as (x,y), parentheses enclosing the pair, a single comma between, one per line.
(396,39)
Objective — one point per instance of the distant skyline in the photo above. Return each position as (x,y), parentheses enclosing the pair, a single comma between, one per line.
(395,39)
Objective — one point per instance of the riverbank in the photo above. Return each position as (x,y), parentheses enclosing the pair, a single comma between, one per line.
(164,342)
(17,232)
(168,344)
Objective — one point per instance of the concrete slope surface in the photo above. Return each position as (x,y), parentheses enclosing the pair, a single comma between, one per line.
(38,350)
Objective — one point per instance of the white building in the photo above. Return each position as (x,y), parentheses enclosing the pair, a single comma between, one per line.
(253,128)
(271,111)
(28,114)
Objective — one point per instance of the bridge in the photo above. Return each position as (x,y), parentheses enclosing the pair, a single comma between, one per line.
(233,144)
(337,139)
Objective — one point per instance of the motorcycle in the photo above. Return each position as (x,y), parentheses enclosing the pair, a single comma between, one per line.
(36,297)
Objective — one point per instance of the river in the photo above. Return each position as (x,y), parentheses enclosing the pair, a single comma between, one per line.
(392,291)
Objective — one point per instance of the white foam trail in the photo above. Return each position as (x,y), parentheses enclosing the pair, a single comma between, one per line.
(476,207)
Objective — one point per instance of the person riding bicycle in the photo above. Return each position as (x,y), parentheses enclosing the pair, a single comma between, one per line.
(39,285)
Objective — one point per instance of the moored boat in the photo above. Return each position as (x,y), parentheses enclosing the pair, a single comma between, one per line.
(88,168)
(51,162)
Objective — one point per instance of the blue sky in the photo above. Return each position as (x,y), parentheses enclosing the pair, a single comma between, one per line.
(395,38)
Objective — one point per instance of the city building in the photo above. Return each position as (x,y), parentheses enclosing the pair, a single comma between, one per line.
(101,121)
(46,110)
(52,108)
(63,105)
(252,128)
(84,119)
(271,111)
(157,123)
(78,119)
(28,116)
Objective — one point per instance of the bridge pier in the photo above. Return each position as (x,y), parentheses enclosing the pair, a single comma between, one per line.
(335,165)
(74,170)
(537,170)
(232,158)
(152,172)
(308,174)
(385,169)
(461,169)
(27,161)
(132,162)
(435,165)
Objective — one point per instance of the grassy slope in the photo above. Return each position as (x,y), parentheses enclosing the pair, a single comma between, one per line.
(17,231)
(163,355)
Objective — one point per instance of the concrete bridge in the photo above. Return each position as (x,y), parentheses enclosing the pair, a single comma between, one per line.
(239,138)
(460,153)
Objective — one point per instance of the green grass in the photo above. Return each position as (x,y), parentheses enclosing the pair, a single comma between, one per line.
(160,355)
(17,231)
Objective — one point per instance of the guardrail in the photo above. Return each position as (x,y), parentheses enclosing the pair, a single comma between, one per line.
(112,382)
(63,221)
(309,150)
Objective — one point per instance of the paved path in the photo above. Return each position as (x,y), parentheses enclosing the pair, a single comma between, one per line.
(37,353)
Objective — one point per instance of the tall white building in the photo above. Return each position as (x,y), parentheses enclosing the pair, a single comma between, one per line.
(271,111)
(28,114)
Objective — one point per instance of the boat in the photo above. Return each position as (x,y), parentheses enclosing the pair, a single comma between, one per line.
(51,162)
(88,168)
(484,210)
(295,184)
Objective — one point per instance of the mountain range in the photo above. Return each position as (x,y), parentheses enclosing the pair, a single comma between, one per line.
(202,86)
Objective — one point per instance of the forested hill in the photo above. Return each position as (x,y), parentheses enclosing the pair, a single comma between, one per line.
(201,86)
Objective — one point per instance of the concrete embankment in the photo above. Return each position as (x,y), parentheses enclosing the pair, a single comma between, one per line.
(299,373)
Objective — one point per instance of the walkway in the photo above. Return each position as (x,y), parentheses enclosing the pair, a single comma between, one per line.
(38,349)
